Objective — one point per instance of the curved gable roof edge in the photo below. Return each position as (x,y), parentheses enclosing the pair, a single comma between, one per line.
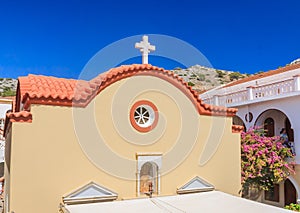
(35,89)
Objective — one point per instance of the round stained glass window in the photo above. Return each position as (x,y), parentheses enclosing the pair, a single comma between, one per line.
(143,116)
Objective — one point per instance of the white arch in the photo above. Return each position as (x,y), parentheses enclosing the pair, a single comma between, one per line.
(278,117)
(154,159)
(297,187)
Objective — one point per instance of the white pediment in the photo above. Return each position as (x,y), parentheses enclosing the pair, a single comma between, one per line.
(91,192)
(197,184)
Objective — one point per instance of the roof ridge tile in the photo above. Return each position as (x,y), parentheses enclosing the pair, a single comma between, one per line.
(51,90)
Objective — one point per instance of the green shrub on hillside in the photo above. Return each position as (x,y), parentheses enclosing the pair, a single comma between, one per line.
(201,77)
(235,76)
(177,68)
(220,74)
(7,91)
(191,84)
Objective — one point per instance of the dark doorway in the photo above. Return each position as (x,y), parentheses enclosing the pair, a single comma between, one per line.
(269,127)
(289,193)
(238,121)
(289,130)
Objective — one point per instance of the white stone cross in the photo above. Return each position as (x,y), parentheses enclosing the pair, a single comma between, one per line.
(145,48)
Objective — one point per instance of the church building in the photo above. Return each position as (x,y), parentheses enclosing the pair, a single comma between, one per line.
(132,132)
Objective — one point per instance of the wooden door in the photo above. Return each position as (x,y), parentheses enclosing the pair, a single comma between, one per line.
(269,127)
(289,193)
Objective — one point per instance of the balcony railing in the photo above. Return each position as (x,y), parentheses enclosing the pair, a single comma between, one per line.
(256,92)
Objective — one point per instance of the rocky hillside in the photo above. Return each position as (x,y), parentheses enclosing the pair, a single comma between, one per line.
(199,77)
(203,78)
(8,87)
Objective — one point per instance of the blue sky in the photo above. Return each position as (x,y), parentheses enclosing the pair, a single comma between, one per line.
(59,37)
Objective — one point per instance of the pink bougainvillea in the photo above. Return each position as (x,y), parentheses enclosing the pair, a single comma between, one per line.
(265,161)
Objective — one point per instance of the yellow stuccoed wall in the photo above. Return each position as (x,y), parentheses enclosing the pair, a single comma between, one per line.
(296,176)
(65,148)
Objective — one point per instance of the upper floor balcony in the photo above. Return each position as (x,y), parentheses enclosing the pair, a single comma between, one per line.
(253,93)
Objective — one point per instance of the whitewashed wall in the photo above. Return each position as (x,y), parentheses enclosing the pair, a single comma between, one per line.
(4,106)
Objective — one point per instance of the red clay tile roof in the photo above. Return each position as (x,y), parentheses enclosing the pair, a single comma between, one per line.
(264,74)
(22,116)
(35,89)
(49,90)
(237,128)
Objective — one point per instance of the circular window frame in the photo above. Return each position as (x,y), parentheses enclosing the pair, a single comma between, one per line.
(152,111)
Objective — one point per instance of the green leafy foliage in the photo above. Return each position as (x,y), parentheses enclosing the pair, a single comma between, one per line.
(191,84)
(293,207)
(201,77)
(220,74)
(177,68)
(235,76)
(7,91)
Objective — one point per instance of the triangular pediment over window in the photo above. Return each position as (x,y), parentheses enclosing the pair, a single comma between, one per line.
(197,184)
(90,193)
